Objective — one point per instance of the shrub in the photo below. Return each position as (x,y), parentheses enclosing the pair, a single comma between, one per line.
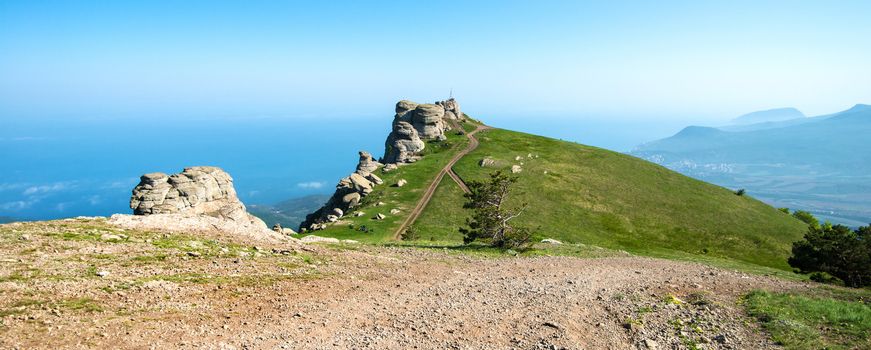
(807,218)
(491,217)
(823,277)
(837,251)
(410,234)
(740,192)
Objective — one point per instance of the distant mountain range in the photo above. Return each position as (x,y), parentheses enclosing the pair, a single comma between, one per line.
(289,213)
(821,164)
(771,115)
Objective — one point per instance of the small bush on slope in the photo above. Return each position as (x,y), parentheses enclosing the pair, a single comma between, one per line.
(491,218)
(836,250)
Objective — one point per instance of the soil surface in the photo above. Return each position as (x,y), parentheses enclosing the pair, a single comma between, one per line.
(71,285)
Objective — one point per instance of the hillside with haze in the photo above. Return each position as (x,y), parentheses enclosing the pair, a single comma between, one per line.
(820,164)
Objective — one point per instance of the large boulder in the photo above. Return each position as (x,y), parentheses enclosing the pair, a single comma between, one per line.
(201,190)
(403,144)
(404,106)
(428,119)
(366,164)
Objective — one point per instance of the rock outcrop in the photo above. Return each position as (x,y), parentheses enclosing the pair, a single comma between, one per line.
(201,190)
(403,144)
(452,109)
(366,164)
(413,124)
(349,191)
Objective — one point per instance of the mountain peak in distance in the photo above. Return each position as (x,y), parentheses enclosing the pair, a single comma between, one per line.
(771,115)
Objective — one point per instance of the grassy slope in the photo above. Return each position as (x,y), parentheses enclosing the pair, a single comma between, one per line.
(594,196)
(419,176)
(813,321)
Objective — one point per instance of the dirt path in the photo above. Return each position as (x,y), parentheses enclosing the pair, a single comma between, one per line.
(447,169)
(393,298)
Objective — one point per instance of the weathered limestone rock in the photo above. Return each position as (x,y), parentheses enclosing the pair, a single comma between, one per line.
(374,178)
(487,162)
(366,164)
(351,199)
(414,123)
(428,119)
(403,144)
(452,109)
(401,183)
(201,190)
(405,106)
(349,191)
(516,169)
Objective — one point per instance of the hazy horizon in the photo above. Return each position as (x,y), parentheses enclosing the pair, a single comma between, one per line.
(625,59)
(95,94)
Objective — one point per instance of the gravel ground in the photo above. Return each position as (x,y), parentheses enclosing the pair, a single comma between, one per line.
(356,297)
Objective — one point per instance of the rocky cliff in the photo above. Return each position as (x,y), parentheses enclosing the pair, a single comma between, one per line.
(201,190)
(413,124)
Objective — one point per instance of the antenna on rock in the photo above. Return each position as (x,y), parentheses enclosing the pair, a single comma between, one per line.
(451,95)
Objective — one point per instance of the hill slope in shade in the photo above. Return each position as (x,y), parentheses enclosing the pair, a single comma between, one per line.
(593,196)
(771,115)
(822,164)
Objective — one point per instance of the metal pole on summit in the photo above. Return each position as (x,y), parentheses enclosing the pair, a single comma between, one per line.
(451,95)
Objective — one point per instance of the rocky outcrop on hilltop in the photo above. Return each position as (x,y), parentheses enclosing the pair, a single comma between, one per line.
(452,109)
(196,191)
(413,124)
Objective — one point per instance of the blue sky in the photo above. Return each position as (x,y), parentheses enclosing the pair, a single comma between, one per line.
(620,59)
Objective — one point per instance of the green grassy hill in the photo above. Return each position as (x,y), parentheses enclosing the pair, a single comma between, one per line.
(582,194)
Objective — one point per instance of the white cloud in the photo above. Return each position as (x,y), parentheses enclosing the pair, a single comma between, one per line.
(41,189)
(18,205)
(127,183)
(94,200)
(12,186)
(311,184)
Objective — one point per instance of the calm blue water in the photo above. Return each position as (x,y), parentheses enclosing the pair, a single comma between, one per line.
(61,169)
(53,169)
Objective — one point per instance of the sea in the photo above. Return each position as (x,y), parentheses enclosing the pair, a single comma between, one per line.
(65,167)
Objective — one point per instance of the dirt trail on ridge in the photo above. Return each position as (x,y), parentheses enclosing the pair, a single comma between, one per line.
(430,191)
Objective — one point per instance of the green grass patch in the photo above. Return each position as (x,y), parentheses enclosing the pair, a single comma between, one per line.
(419,176)
(152,258)
(20,306)
(583,194)
(811,322)
(259,280)
(80,304)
